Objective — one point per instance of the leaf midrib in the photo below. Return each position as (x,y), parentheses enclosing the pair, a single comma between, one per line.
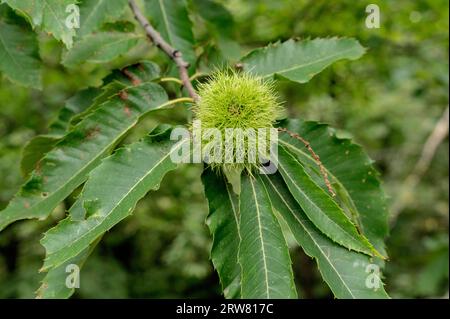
(258,215)
(310,235)
(308,64)
(108,216)
(166,21)
(95,158)
(314,204)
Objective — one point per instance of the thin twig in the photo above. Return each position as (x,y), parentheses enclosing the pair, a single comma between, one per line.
(173,53)
(316,157)
(440,132)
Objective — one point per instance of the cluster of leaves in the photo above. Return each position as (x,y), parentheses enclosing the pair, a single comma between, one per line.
(391,112)
(343,234)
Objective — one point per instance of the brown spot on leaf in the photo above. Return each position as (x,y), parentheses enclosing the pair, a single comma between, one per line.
(133,78)
(93,132)
(123,95)
(127,110)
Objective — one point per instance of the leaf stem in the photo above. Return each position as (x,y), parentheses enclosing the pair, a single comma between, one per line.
(197,75)
(169,79)
(179,100)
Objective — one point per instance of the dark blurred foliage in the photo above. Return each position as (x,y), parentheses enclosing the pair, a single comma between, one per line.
(389,101)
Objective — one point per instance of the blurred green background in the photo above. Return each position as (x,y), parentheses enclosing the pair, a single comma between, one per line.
(389,101)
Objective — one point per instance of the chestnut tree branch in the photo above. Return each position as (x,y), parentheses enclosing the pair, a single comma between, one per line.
(173,53)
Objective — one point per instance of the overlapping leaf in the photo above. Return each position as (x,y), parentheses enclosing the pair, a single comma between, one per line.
(263,252)
(37,147)
(67,165)
(351,173)
(223,222)
(349,274)
(320,208)
(171,19)
(100,48)
(110,195)
(94,13)
(299,61)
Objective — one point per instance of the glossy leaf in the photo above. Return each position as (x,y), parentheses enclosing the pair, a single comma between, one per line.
(223,222)
(349,274)
(320,208)
(263,252)
(299,61)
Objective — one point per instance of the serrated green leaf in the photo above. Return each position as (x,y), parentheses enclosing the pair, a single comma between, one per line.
(343,270)
(19,55)
(263,252)
(94,13)
(81,105)
(108,90)
(171,19)
(117,81)
(351,173)
(67,165)
(320,208)
(50,15)
(110,195)
(54,285)
(38,146)
(223,220)
(100,48)
(74,105)
(299,61)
